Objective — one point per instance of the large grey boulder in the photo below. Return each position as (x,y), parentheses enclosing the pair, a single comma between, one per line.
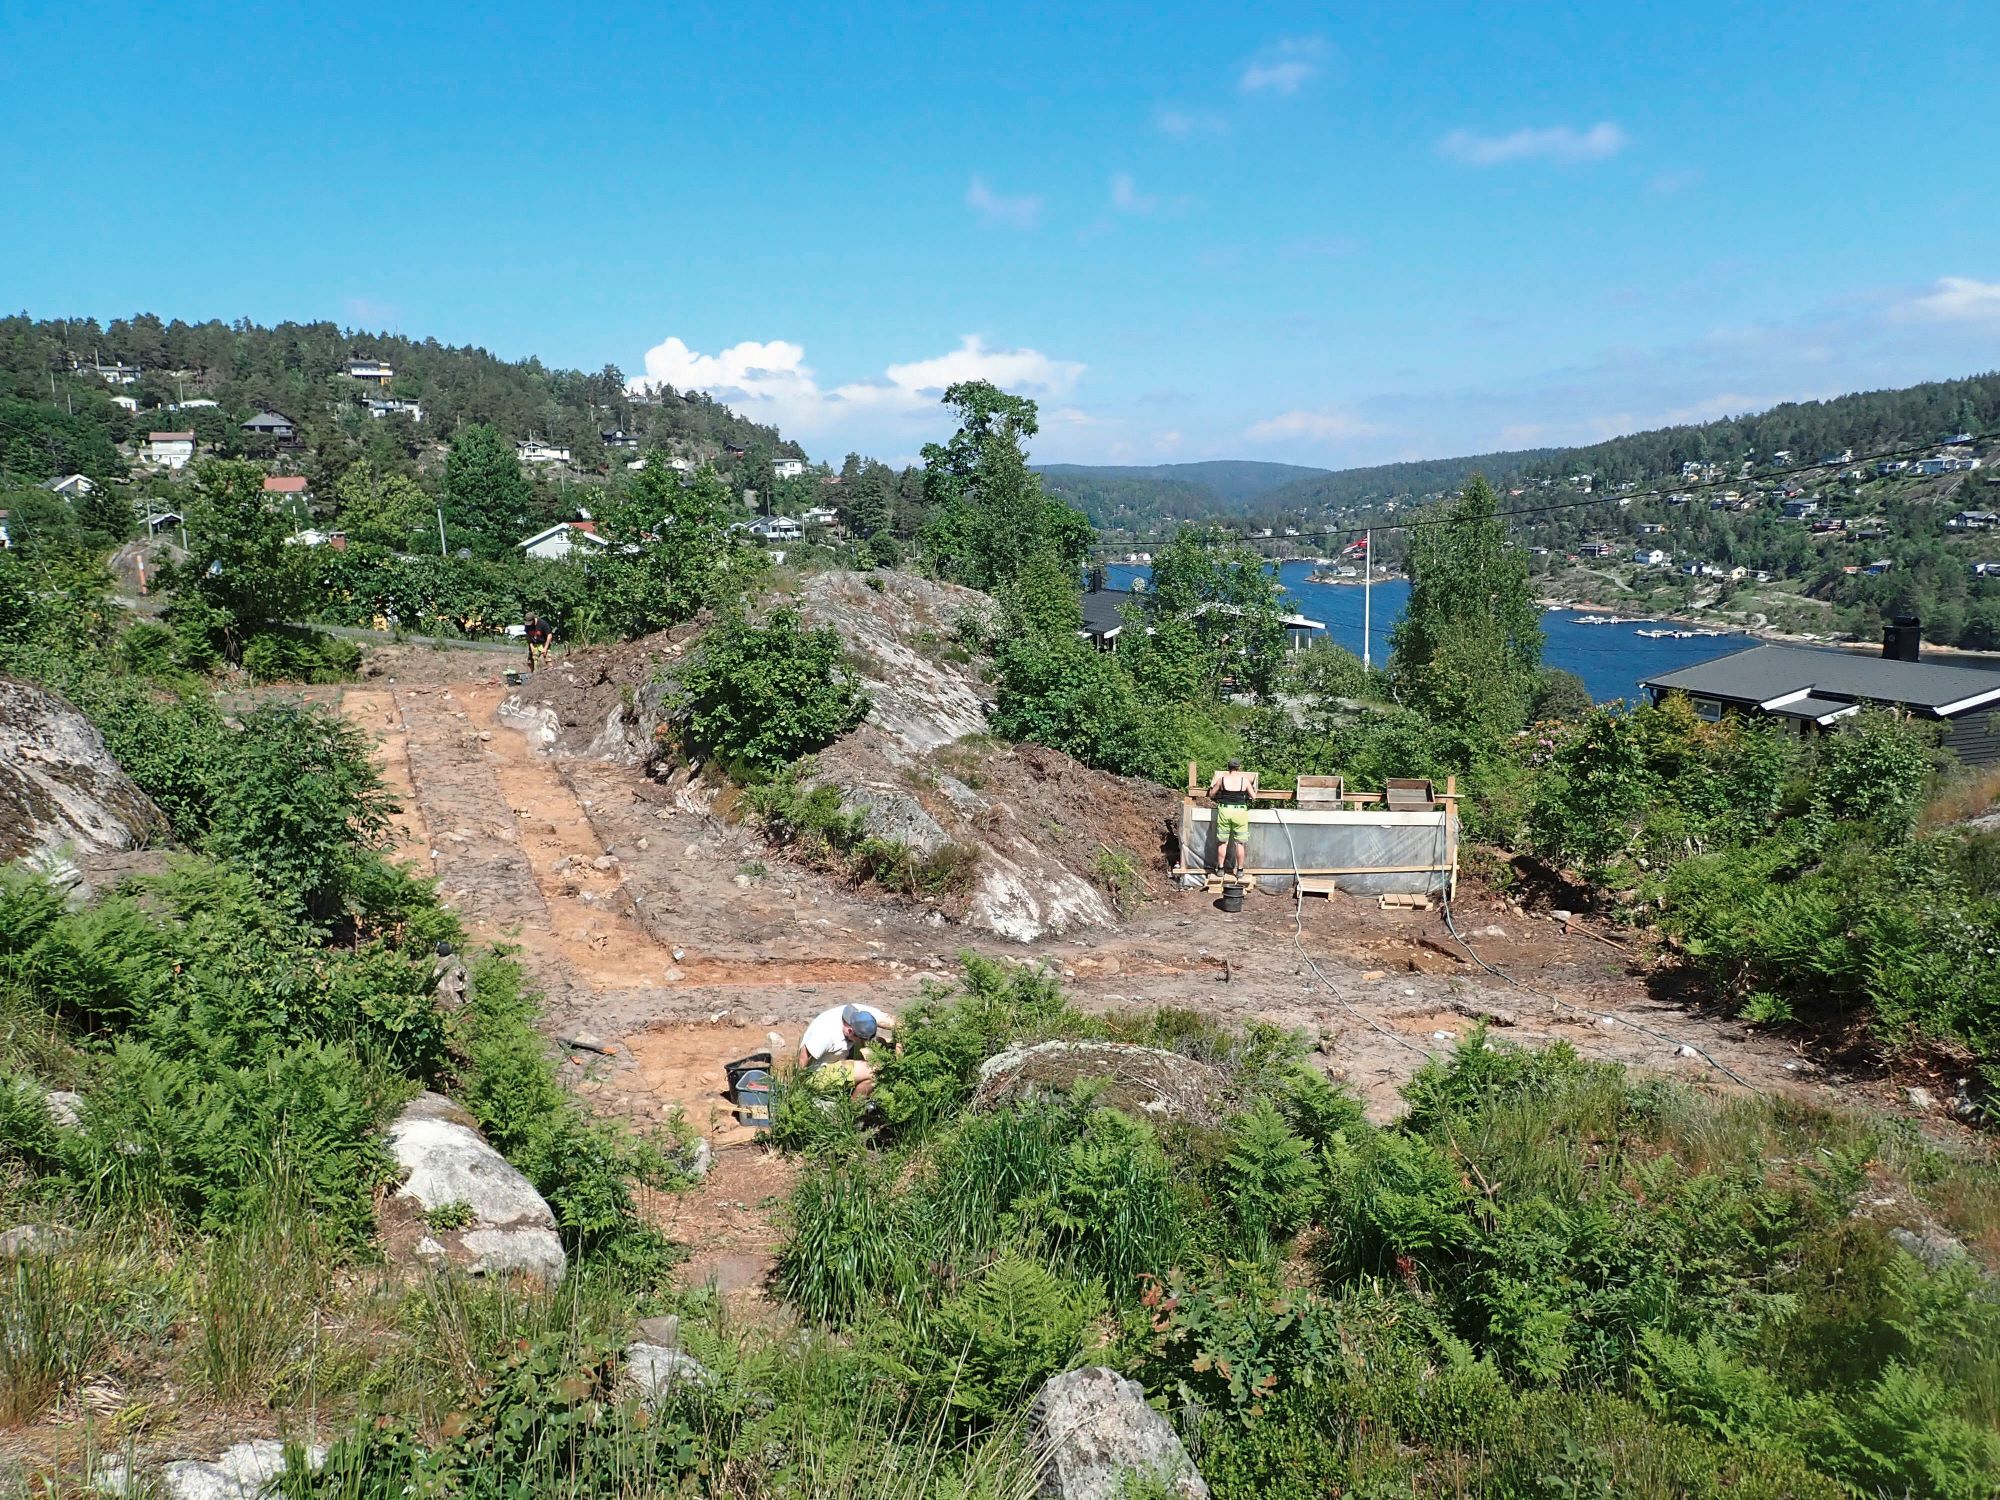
(1147,1081)
(503,1227)
(60,790)
(1094,1437)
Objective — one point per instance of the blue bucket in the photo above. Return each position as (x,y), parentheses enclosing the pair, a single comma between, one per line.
(753,1098)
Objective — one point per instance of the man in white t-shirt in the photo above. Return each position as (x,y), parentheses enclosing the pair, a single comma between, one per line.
(836,1044)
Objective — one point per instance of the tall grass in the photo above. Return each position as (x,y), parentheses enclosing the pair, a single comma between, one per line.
(65,1316)
(257,1298)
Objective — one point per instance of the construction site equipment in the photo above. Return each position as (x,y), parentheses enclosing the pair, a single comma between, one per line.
(1400,841)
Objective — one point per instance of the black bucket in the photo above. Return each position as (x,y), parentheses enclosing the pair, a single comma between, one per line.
(757,1061)
(1232,897)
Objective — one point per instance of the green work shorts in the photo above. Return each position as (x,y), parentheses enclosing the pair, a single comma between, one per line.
(1232,823)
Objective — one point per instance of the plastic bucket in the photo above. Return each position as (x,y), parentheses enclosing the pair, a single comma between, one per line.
(753,1099)
(1232,898)
(756,1061)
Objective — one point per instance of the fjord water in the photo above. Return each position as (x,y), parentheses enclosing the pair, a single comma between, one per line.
(1609,658)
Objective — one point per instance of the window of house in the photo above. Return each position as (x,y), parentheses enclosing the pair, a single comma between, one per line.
(1708,709)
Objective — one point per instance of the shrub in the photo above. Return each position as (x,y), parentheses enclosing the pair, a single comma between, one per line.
(1001,1336)
(759,698)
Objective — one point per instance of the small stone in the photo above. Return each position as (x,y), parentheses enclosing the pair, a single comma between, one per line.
(584,1041)
(65,1108)
(743,882)
(485,734)
(656,1370)
(1921,1098)
(1688,1051)
(1374,974)
(664,1332)
(429,1246)
(645,843)
(674,976)
(1444,1036)
(29,1242)
(605,862)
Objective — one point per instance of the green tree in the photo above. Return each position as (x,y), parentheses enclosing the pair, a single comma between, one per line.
(759,698)
(380,508)
(1468,647)
(485,492)
(242,575)
(1214,617)
(670,551)
(988,514)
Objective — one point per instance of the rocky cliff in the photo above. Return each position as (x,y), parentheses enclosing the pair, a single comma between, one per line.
(60,790)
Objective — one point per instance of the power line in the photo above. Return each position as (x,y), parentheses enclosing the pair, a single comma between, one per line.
(1557,505)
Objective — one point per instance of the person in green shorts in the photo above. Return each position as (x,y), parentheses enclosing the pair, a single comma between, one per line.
(835,1050)
(1231,790)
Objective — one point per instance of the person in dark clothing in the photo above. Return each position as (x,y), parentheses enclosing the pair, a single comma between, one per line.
(538,638)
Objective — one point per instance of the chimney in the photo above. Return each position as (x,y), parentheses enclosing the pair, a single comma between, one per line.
(1903,638)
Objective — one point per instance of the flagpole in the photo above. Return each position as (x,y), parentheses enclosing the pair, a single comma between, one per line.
(1367,584)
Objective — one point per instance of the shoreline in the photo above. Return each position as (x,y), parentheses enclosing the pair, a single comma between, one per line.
(1768,633)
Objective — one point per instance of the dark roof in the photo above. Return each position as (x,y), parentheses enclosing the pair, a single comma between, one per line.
(269,419)
(1761,674)
(1814,707)
(1103,610)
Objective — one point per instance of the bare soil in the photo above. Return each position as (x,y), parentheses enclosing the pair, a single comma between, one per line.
(678,940)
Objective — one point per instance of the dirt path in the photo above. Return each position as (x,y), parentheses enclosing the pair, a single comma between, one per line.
(679,942)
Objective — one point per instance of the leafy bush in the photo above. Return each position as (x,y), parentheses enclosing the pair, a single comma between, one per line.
(760,697)
(1005,1333)
(299,655)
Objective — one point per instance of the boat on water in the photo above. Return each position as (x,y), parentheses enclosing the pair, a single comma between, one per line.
(1678,635)
(1597,620)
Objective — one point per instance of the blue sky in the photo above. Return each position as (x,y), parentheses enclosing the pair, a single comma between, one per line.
(1189,231)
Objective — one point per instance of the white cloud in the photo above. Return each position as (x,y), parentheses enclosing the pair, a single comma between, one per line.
(1186,122)
(1325,425)
(1284,68)
(1022,212)
(1126,197)
(1957,299)
(771,382)
(1559,143)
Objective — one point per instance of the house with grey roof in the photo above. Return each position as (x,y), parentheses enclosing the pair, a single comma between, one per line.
(271,424)
(1814,689)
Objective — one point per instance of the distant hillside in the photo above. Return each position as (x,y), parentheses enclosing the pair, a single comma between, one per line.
(58,415)
(1121,494)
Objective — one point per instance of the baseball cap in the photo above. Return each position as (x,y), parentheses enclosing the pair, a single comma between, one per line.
(861,1022)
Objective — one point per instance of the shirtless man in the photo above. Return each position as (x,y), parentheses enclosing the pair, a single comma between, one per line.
(1230,790)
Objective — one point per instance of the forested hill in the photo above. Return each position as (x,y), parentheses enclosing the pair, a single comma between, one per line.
(1122,494)
(58,415)
(1866,422)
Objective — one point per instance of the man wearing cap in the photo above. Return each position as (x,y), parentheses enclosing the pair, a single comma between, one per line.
(1231,790)
(837,1043)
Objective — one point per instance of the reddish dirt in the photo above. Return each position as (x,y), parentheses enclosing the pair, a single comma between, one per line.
(681,940)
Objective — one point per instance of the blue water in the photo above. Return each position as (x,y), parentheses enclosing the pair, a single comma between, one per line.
(1609,658)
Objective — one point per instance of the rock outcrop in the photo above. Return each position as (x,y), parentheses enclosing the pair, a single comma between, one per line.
(1143,1081)
(1029,827)
(60,790)
(462,1202)
(1095,1438)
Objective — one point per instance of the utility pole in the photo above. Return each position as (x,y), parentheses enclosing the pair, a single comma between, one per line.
(440,511)
(1367,589)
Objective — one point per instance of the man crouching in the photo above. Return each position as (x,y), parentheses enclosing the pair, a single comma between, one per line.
(839,1046)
